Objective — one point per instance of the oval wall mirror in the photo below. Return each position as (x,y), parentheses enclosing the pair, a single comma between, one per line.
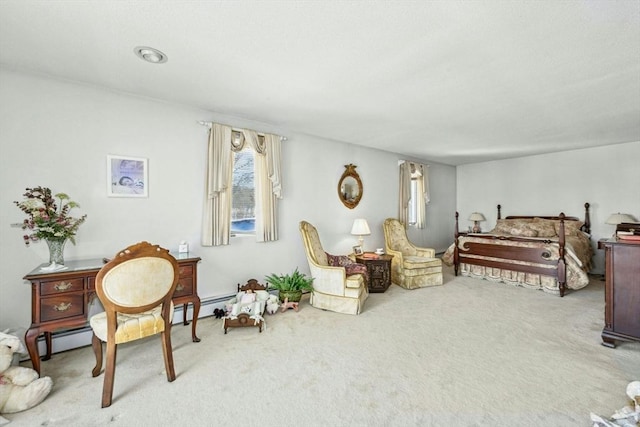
(350,187)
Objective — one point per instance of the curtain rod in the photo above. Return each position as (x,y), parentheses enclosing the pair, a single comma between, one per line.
(413,161)
(209,124)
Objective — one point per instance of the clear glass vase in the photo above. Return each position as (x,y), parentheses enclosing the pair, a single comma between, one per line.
(56,251)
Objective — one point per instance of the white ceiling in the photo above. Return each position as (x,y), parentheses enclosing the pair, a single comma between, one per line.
(448,81)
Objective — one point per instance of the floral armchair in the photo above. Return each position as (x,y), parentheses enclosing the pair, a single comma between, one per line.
(411,267)
(333,288)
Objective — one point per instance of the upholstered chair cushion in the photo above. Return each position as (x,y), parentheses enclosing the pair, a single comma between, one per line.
(130,327)
(413,262)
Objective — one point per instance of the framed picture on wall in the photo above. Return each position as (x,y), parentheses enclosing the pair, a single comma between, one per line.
(127,176)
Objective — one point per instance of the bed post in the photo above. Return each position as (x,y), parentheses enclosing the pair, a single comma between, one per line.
(456,260)
(587,219)
(499,214)
(562,269)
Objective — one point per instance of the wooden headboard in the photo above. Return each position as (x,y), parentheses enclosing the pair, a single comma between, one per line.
(587,219)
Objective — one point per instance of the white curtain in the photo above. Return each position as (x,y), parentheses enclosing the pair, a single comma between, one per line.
(217,215)
(216,218)
(268,183)
(417,173)
(404,192)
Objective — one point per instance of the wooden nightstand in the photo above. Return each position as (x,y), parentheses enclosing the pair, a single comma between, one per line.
(379,269)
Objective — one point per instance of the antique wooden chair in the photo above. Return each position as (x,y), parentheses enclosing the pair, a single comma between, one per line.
(135,289)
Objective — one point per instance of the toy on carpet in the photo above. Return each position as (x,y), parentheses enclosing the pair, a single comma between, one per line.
(219,313)
(628,416)
(272,304)
(287,305)
(247,307)
(20,387)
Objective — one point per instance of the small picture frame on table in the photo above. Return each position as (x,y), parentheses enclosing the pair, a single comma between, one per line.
(127,176)
(358,250)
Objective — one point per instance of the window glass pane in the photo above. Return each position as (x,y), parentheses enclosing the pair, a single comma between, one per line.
(412,203)
(243,205)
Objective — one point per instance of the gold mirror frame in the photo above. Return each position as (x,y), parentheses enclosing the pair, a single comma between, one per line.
(350,187)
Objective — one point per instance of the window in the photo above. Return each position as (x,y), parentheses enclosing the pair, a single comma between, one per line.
(413,194)
(241,190)
(413,201)
(243,194)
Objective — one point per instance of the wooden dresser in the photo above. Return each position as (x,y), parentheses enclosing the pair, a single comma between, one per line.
(622,291)
(60,300)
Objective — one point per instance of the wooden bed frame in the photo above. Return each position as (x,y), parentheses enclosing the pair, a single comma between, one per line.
(528,254)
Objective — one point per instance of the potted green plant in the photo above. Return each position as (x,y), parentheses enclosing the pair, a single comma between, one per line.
(290,286)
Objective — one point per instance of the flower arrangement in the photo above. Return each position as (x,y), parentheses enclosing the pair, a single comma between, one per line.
(47,219)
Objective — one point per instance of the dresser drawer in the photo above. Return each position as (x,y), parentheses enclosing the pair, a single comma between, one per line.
(62,306)
(186,270)
(61,286)
(184,287)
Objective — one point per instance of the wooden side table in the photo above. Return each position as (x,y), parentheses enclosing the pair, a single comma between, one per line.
(60,299)
(379,269)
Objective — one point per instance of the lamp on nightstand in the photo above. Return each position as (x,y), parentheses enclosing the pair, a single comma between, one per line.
(360,228)
(619,218)
(476,217)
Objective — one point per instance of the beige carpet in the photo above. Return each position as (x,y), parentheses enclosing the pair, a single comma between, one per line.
(469,353)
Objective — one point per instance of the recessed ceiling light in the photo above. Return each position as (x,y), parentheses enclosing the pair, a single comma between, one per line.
(150,54)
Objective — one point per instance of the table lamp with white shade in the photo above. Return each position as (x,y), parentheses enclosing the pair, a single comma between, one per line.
(360,228)
(476,217)
(619,218)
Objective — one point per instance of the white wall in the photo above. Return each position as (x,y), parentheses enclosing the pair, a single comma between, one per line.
(58,134)
(607,177)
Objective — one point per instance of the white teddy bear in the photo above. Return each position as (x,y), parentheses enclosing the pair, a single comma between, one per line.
(272,304)
(20,387)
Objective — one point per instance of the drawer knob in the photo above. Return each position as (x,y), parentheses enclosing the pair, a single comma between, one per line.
(64,306)
(179,287)
(62,286)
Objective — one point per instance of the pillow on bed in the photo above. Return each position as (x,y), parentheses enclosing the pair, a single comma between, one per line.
(544,227)
(515,227)
(571,228)
(523,232)
(260,296)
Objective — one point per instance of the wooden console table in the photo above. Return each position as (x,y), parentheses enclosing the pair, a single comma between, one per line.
(379,269)
(60,300)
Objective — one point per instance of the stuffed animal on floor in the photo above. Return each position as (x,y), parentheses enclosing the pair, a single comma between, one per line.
(20,387)
(219,313)
(272,304)
(287,305)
